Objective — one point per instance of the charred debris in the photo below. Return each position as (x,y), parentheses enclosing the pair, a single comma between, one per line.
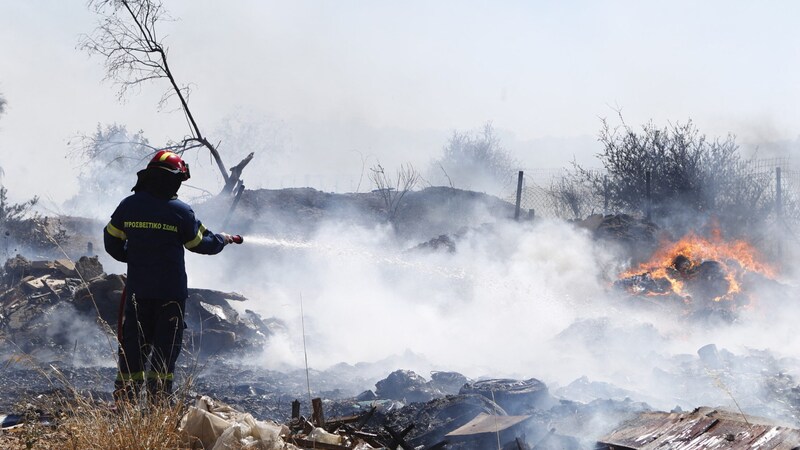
(44,302)
(450,411)
(405,410)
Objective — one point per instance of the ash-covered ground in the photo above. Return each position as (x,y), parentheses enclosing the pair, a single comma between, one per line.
(446,311)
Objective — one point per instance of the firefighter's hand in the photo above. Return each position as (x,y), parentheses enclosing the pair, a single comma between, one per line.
(227,238)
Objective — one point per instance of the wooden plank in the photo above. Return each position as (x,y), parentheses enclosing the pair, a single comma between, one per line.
(317,417)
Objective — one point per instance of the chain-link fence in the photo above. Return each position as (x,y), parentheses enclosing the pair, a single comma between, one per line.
(788,210)
(564,193)
(556,193)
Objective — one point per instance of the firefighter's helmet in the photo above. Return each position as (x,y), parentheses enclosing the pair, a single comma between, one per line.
(170,162)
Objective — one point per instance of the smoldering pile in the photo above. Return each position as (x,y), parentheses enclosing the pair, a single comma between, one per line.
(405,409)
(64,311)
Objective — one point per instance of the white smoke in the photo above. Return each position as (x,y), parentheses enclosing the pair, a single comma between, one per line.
(516,300)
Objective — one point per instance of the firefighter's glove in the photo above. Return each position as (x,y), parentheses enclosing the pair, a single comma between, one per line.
(227,238)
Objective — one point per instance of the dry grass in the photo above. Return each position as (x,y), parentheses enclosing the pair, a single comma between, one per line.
(90,425)
(124,426)
(83,423)
(77,420)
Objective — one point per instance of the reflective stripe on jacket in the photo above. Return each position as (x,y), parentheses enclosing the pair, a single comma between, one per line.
(150,234)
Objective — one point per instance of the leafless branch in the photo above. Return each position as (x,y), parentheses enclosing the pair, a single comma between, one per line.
(134,54)
(449,181)
(393,191)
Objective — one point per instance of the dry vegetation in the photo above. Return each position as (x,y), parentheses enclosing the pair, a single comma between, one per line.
(88,424)
(68,418)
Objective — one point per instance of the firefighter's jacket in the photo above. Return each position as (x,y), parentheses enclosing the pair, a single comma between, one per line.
(150,233)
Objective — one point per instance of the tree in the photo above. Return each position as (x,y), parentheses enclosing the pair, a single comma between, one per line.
(475,161)
(22,226)
(12,213)
(106,157)
(134,54)
(690,173)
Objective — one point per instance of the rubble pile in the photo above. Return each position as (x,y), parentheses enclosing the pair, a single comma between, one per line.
(703,279)
(524,413)
(67,310)
(406,386)
(703,284)
(451,411)
(37,312)
(517,412)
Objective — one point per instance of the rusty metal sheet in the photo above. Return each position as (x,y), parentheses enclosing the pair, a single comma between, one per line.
(703,428)
(487,423)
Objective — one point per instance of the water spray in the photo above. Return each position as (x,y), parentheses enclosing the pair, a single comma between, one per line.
(391,259)
(397,260)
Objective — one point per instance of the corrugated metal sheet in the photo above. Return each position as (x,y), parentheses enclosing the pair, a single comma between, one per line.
(703,428)
(486,423)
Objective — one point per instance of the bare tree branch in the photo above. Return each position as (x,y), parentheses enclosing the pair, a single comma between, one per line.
(449,181)
(393,191)
(134,54)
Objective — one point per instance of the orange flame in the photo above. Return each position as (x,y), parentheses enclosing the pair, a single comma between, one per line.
(735,257)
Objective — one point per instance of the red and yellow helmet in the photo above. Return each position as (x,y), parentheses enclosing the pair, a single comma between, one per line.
(170,162)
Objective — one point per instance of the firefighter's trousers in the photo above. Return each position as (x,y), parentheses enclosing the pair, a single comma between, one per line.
(152,334)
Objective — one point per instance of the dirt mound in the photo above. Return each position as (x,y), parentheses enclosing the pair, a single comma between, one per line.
(422,214)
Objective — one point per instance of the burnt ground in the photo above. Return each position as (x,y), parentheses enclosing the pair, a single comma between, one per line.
(568,416)
(402,400)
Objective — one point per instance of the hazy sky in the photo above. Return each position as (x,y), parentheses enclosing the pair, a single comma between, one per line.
(330,82)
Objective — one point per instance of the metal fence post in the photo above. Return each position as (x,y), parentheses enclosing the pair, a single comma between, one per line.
(779,211)
(778,194)
(648,202)
(519,195)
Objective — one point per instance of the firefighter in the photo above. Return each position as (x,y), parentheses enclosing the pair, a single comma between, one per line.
(149,231)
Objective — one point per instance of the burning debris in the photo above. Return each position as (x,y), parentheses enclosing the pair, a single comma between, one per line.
(701,273)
